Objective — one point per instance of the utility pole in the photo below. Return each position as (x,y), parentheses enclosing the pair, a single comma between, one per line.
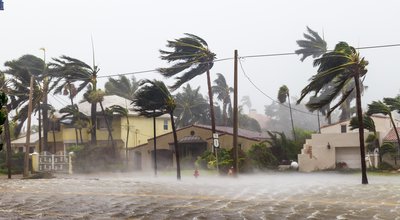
(28,131)
(235,112)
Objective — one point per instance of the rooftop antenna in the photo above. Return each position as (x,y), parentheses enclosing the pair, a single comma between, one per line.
(94,62)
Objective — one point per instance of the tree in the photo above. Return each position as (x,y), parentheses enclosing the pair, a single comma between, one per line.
(262,157)
(122,87)
(74,70)
(154,99)
(78,119)
(191,107)
(223,91)
(313,45)
(283,95)
(246,102)
(386,107)
(119,110)
(191,57)
(340,66)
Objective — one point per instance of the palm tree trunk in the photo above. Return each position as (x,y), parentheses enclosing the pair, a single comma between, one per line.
(210,95)
(54,139)
(108,128)
(72,104)
(154,145)
(8,142)
(291,118)
(40,130)
(178,163)
(80,135)
(224,115)
(126,144)
(45,113)
(94,127)
(364,179)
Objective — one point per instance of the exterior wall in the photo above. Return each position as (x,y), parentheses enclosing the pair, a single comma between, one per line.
(321,157)
(141,129)
(164,141)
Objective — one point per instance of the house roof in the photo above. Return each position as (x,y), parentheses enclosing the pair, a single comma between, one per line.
(191,139)
(34,138)
(391,136)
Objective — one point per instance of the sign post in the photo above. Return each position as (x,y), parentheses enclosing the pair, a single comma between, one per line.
(216,146)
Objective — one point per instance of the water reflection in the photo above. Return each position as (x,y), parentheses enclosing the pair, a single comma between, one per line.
(270,196)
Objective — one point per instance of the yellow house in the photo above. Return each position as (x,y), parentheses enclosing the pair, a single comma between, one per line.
(140,128)
(192,142)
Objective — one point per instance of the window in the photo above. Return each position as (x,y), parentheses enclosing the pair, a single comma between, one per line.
(343,128)
(165,124)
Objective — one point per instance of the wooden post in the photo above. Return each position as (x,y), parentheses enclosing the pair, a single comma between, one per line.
(235,113)
(28,131)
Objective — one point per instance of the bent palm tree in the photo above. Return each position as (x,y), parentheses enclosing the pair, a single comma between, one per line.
(78,119)
(191,107)
(74,70)
(283,95)
(223,91)
(340,67)
(191,57)
(386,107)
(313,45)
(122,87)
(153,99)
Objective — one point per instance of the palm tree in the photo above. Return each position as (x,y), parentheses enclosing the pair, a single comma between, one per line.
(283,95)
(223,91)
(153,99)
(191,107)
(386,107)
(313,45)
(191,57)
(74,70)
(246,102)
(119,110)
(340,67)
(122,87)
(78,119)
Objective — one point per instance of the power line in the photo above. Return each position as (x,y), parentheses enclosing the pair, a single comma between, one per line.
(269,97)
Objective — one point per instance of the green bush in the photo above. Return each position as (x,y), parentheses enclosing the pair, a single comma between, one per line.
(261,157)
(385,166)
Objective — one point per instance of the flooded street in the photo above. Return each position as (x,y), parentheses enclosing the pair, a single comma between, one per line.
(268,196)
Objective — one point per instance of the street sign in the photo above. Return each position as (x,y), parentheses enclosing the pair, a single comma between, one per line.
(215,140)
(1,5)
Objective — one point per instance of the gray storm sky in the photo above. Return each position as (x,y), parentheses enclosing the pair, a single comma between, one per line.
(128,34)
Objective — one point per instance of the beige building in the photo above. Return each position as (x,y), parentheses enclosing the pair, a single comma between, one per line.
(192,142)
(338,144)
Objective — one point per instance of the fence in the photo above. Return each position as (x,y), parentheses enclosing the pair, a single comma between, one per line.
(45,161)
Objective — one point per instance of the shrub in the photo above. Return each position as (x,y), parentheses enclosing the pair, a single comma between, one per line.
(385,166)
(17,163)
(261,157)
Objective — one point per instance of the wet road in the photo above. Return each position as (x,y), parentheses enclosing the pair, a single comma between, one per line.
(269,196)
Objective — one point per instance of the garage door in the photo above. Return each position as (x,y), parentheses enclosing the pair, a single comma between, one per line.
(349,155)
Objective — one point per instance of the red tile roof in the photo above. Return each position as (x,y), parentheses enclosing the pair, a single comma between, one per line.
(391,136)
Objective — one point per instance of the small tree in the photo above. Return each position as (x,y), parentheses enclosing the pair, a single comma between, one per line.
(262,157)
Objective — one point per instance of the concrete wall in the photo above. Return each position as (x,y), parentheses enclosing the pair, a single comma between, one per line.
(321,157)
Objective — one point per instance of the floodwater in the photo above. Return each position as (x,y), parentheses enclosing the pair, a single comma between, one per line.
(268,196)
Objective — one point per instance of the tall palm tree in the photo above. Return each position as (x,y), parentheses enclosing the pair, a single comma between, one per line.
(340,67)
(119,110)
(223,92)
(191,57)
(283,95)
(122,87)
(246,101)
(153,99)
(386,107)
(191,107)
(74,70)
